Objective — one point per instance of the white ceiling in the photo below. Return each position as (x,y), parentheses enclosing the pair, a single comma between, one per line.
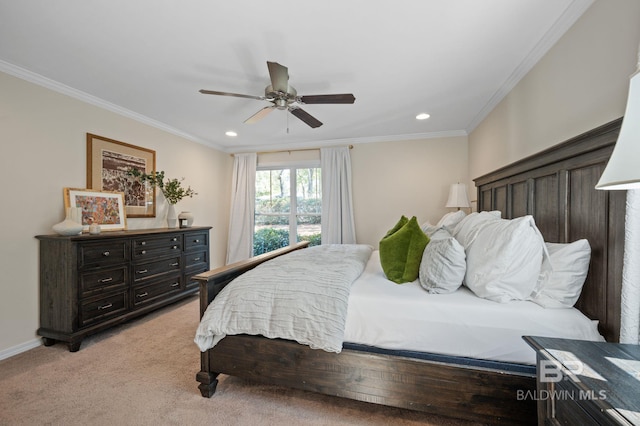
(147,59)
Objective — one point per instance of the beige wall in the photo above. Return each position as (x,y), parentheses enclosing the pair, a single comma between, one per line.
(410,178)
(581,83)
(43,146)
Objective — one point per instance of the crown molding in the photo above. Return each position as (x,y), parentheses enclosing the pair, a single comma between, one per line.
(346,141)
(56,86)
(571,14)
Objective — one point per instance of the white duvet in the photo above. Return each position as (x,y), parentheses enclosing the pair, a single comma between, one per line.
(405,317)
(377,312)
(302,296)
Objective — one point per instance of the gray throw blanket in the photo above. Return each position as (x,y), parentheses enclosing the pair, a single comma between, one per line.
(301,296)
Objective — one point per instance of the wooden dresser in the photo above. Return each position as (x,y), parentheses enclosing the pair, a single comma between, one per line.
(91,282)
(586,383)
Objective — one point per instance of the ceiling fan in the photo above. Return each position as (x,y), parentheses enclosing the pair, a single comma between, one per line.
(285,97)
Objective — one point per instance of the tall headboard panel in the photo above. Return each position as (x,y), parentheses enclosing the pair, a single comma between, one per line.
(556,187)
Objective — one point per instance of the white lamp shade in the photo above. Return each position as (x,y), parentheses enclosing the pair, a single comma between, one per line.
(623,168)
(458,196)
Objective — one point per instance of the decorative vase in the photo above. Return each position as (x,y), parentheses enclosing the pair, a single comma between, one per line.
(94,229)
(172,219)
(185,219)
(70,225)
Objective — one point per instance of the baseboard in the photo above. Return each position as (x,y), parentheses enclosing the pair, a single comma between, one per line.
(18,349)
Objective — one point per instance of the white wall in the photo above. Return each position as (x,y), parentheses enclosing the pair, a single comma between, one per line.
(581,83)
(43,150)
(410,178)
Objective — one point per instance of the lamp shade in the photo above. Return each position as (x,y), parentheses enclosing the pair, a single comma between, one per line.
(458,196)
(623,168)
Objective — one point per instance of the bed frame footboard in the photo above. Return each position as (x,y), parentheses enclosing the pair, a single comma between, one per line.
(453,390)
(211,283)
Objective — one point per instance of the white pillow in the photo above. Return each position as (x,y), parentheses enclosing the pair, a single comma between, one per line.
(443,264)
(451,219)
(466,230)
(435,232)
(562,277)
(504,259)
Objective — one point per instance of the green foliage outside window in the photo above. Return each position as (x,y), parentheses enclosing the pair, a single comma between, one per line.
(268,239)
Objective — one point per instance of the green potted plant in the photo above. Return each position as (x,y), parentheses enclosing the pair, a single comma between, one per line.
(172,190)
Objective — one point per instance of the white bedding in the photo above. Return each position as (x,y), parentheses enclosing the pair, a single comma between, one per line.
(405,317)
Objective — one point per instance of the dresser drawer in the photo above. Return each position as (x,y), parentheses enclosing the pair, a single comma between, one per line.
(151,292)
(103,279)
(189,281)
(103,254)
(152,247)
(196,259)
(99,309)
(144,271)
(196,240)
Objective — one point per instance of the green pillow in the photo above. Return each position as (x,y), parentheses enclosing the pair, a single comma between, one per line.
(401,250)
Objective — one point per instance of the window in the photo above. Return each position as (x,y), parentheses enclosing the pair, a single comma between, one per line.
(288,207)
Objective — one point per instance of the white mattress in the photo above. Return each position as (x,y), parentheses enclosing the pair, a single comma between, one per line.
(405,317)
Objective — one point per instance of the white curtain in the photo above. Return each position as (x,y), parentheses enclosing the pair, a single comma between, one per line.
(337,206)
(243,192)
(630,318)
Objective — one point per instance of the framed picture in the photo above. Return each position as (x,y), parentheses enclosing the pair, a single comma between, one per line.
(108,162)
(104,208)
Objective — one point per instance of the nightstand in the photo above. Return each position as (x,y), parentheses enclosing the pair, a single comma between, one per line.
(584,383)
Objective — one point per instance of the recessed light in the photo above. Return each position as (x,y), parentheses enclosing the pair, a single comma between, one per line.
(422,116)
(231,133)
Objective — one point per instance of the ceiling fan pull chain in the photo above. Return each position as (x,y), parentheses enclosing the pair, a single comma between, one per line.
(287,122)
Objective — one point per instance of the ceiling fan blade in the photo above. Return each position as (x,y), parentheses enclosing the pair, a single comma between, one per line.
(345,98)
(237,95)
(306,117)
(260,114)
(279,77)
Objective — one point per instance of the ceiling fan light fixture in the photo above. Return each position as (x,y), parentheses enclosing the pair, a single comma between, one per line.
(422,116)
(284,97)
(231,133)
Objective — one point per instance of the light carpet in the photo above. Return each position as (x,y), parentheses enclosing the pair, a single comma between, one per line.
(143,373)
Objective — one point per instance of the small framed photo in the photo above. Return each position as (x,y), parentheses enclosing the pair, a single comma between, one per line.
(108,164)
(101,207)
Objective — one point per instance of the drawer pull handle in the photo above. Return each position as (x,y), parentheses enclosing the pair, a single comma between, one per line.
(196,241)
(174,239)
(142,271)
(106,253)
(143,243)
(174,264)
(175,284)
(106,280)
(107,306)
(142,294)
(174,247)
(143,252)
(195,259)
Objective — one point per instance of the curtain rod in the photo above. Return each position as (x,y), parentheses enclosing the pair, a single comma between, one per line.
(290,150)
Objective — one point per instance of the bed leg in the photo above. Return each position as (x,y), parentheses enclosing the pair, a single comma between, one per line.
(208,383)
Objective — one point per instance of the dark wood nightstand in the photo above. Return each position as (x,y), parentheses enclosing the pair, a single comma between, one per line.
(584,383)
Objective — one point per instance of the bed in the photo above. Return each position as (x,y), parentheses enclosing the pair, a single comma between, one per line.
(556,187)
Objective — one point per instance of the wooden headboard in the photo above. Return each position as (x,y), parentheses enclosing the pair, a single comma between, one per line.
(556,187)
